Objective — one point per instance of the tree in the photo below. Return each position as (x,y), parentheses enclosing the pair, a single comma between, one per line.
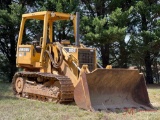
(9,27)
(4,69)
(106,25)
(145,36)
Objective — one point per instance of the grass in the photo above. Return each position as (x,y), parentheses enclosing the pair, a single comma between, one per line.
(12,108)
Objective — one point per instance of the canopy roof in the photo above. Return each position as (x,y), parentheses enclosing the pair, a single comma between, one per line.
(52,16)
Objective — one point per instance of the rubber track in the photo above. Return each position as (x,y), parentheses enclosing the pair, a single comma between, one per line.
(66,90)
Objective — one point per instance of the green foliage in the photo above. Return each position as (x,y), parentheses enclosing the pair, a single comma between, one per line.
(9,28)
(4,68)
(104,25)
(146,35)
(104,30)
(97,31)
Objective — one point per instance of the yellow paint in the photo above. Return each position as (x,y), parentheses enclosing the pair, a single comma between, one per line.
(109,67)
(35,60)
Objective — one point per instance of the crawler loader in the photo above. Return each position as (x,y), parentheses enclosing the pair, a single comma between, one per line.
(63,72)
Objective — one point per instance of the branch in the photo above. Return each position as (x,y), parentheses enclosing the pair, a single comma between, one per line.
(87,3)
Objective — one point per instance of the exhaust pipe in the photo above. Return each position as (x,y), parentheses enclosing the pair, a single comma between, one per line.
(77,29)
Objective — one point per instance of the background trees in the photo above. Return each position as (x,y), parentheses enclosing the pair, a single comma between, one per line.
(125,32)
(145,36)
(9,27)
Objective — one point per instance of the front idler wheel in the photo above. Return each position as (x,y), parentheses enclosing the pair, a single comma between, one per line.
(19,85)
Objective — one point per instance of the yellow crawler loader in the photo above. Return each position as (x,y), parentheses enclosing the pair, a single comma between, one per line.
(62,72)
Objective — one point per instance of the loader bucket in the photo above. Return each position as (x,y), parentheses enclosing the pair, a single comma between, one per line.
(112,89)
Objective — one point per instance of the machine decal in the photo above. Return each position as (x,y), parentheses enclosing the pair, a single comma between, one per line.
(24,49)
(71,50)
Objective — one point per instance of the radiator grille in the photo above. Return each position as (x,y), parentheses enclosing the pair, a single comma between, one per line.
(87,57)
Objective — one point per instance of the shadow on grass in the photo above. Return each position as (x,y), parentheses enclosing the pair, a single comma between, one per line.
(153,86)
(156,108)
(6,91)
(70,103)
(8,97)
(4,86)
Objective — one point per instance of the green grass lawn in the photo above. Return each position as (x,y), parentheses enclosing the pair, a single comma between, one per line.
(12,108)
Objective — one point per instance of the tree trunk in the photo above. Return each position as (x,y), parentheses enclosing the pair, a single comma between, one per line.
(13,69)
(105,54)
(12,59)
(147,58)
(123,59)
(148,63)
